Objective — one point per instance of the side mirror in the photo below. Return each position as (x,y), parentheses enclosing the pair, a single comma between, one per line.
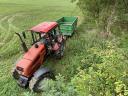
(24,35)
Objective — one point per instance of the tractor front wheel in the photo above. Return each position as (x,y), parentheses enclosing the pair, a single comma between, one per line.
(37,84)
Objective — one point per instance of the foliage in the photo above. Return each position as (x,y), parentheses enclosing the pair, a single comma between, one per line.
(106,13)
(105,78)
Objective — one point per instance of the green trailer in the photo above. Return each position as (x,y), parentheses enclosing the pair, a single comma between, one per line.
(67,25)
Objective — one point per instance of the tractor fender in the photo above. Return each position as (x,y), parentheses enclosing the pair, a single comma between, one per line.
(41,71)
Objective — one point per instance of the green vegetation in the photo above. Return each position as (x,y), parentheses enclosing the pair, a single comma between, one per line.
(95,63)
(105,13)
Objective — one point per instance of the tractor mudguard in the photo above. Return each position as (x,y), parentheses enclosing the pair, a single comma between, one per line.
(41,71)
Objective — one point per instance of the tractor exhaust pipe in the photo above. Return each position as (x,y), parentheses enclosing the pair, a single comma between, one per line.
(23,44)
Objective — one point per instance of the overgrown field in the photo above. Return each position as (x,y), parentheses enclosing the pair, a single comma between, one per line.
(16,16)
(93,64)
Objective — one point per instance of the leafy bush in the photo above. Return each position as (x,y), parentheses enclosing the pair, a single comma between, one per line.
(106,13)
(105,78)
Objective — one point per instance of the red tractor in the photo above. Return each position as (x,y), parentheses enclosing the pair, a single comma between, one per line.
(46,40)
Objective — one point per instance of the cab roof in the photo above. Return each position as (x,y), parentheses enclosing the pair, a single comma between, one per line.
(44,27)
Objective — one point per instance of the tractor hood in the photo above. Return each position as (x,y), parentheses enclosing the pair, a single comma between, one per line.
(33,52)
(30,58)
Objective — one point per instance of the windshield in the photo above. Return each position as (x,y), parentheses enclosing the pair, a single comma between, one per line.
(31,38)
(35,37)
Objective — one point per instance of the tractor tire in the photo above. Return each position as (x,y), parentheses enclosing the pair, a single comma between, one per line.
(36,85)
(60,53)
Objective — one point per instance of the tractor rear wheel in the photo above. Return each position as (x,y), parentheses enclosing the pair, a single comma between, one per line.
(59,53)
(37,84)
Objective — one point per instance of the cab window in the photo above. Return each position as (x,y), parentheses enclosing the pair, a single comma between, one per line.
(36,37)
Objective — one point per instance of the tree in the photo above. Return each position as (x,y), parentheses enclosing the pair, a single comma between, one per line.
(105,12)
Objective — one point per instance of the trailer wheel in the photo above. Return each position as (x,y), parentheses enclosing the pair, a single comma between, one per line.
(37,84)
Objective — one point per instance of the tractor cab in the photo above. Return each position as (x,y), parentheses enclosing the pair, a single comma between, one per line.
(43,31)
(46,32)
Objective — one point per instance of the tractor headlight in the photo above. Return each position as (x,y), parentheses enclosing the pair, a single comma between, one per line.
(20,69)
